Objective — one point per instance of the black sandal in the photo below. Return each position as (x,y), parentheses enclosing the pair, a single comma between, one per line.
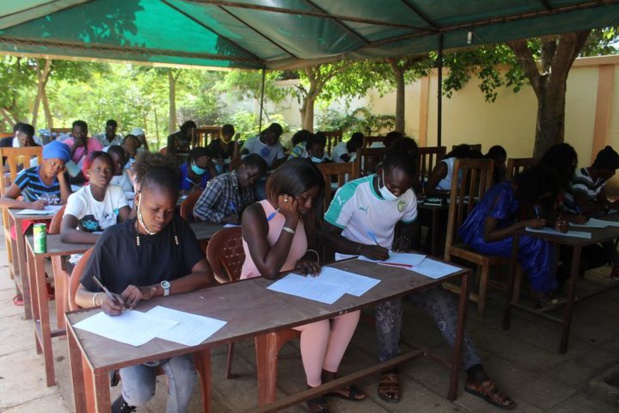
(317,405)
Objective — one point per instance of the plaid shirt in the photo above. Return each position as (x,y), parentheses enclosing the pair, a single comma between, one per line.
(223,197)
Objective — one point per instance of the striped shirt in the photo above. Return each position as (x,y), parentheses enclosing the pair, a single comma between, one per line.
(33,188)
(583,183)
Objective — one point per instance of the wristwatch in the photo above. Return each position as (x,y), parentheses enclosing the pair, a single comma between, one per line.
(166,287)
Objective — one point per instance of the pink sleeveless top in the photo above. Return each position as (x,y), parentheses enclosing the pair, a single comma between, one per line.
(297,249)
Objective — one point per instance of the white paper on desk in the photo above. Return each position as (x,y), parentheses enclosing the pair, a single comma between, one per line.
(434,269)
(355,284)
(48,210)
(191,329)
(131,327)
(604,222)
(397,258)
(312,288)
(593,223)
(575,234)
(231,226)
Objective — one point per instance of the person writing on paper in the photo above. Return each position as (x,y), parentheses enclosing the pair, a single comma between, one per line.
(361,220)
(226,149)
(277,235)
(226,196)
(96,206)
(155,254)
(195,174)
(45,184)
(490,226)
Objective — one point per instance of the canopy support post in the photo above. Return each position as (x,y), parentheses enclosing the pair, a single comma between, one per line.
(264,74)
(439,100)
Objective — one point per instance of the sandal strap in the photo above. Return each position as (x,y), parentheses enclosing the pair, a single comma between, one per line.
(491,391)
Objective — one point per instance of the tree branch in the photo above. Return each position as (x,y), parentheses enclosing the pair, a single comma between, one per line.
(570,45)
(527,62)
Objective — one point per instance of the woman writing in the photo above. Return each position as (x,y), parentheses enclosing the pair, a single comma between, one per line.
(155,254)
(276,235)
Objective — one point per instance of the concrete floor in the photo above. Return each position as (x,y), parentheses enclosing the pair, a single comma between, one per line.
(524,362)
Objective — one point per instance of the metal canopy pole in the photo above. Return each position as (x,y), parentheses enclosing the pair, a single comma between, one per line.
(264,74)
(439,102)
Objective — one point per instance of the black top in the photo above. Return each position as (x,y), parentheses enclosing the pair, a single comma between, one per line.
(218,151)
(118,261)
(8,142)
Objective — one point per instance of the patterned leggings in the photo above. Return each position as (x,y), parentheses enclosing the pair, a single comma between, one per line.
(439,305)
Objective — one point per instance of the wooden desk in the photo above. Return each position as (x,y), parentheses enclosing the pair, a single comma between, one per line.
(19,245)
(205,230)
(270,311)
(598,235)
(40,303)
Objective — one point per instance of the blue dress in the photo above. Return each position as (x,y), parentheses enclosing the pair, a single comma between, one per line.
(536,257)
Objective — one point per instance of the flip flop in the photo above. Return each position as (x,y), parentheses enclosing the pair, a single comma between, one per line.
(18,301)
(389,387)
(490,393)
(350,392)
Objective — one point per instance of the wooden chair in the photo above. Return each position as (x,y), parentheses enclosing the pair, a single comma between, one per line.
(369,140)
(369,159)
(201,358)
(336,175)
(225,254)
(203,135)
(427,159)
(60,131)
(475,146)
(333,138)
(6,134)
(186,208)
(476,180)
(14,158)
(517,165)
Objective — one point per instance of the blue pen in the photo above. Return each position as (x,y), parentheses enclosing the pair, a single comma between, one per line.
(371,234)
(272,215)
(233,208)
(536,211)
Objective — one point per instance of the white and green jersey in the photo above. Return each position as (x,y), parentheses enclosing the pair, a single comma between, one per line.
(359,210)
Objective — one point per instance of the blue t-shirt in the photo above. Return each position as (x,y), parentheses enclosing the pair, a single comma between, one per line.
(33,188)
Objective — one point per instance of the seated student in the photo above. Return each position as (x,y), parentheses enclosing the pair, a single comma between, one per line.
(155,254)
(141,135)
(226,196)
(490,226)
(122,177)
(347,151)
(499,155)
(299,141)
(225,149)
(589,190)
(24,137)
(80,144)
(95,206)
(315,148)
(109,136)
(366,211)
(179,141)
(131,144)
(439,181)
(43,184)
(278,233)
(197,171)
(267,145)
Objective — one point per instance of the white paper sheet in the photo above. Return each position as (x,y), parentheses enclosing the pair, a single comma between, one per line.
(594,223)
(131,327)
(48,210)
(355,284)
(308,287)
(398,259)
(604,222)
(231,226)
(575,234)
(191,329)
(434,269)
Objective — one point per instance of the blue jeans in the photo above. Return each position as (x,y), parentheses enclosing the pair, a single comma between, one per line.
(439,305)
(139,383)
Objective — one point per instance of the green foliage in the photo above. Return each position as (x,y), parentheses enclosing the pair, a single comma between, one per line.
(359,120)
(17,85)
(245,84)
(601,42)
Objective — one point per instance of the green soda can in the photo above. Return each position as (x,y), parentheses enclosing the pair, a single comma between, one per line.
(40,238)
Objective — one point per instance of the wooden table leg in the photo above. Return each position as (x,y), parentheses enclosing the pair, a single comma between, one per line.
(571,293)
(77,373)
(202,360)
(41,315)
(23,271)
(457,350)
(266,366)
(101,380)
(60,288)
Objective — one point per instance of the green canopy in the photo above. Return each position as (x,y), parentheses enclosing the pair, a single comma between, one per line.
(279,33)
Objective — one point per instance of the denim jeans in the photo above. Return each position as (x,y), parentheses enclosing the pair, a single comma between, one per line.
(439,305)
(139,383)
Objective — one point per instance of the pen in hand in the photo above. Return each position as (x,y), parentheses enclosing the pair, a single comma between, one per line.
(373,237)
(233,208)
(105,290)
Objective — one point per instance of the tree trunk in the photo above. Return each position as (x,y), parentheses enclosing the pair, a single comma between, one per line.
(400,103)
(172,102)
(42,76)
(550,124)
(49,121)
(308,113)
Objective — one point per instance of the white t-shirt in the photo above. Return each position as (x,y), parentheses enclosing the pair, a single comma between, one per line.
(358,209)
(337,151)
(269,153)
(92,215)
(445,183)
(123,181)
